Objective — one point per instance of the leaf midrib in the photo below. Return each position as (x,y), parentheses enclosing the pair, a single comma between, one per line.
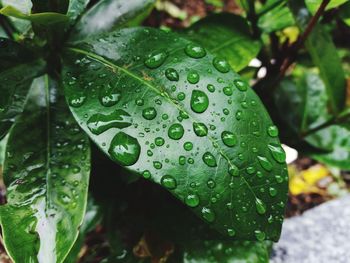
(108,63)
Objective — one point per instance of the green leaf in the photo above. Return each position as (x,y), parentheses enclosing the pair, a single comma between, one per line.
(302,100)
(336,139)
(155,103)
(44,19)
(110,14)
(276,19)
(46,173)
(92,218)
(313,5)
(3,143)
(17,70)
(345,13)
(76,8)
(227,36)
(324,55)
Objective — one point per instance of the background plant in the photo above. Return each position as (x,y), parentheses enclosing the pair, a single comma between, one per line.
(81,78)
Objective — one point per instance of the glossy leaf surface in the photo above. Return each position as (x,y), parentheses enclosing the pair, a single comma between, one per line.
(324,55)
(165,108)
(108,14)
(17,70)
(46,173)
(227,36)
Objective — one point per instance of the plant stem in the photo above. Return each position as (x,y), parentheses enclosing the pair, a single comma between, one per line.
(289,60)
(253,18)
(272,6)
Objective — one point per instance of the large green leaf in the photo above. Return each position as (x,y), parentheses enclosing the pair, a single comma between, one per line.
(46,173)
(324,55)
(109,14)
(17,70)
(161,106)
(313,5)
(345,13)
(276,19)
(227,36)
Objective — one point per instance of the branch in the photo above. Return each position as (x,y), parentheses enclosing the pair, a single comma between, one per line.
(300,42)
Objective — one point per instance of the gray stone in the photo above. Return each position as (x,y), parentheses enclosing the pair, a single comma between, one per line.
(320,235)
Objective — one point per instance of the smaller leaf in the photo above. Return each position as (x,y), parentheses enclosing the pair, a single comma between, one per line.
(227,36)
(324,55)
(76,8)
(47,18)
(336,139)
(107,15)
(313,5)
(345,13)
(277,18)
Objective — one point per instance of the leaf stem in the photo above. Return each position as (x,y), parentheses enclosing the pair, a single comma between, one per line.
(253,18)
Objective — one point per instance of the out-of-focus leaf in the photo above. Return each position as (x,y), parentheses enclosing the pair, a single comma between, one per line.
(227,36)
(76,8)
(335,140)
(313,5)
(17,70)
(345,13)
(93,216)
(3,143)
(277,18)
(46,172)
(44,19)
(21,26)
(107,15)
(302,100)
(324,55)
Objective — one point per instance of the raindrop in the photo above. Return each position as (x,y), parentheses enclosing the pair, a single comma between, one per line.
(209,159)
(182,160)
(124,149)
(157,165)
(108,97)
(208,214)
(149,113)
(221,65)
(176,131)
(272,191)
(168,182)
(260,206)
(99,123)
(146,174)
(229,138)
(195,51)
(260,235)
(211,183)
(233,170)
(231,232)
(188,146)
(77,100)
(159,141)
(193,77)
(199,101)
(272,130)
(155,60)
(181,96)
(211,88)
(200,129)
(192,200)
(172,74)
(277,153)
(265,163)
(241,85)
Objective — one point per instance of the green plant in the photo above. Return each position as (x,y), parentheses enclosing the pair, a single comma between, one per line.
(165,108)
